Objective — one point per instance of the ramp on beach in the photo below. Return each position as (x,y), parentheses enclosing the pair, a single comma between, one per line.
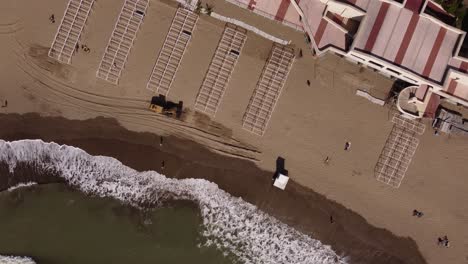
(173,50)
(398,150)
(268,90)
(69,30)
(220,69)
(121,41)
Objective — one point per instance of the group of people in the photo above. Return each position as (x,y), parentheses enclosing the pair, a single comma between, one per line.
(441,241)
(83,47)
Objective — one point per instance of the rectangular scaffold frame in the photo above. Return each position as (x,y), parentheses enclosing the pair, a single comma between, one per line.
(121,41)
(220,69)
(268,90)
(70,29)
(172,52)
(398,151)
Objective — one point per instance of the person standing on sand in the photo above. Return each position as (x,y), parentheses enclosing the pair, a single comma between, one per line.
(85,48)
(443,241)
(417,213)
(327,160)
(52,18)
(160,141)
(162,165)
(446,242)
(347,145)
(440,241)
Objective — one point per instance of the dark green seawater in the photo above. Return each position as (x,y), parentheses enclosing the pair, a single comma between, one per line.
(55,225)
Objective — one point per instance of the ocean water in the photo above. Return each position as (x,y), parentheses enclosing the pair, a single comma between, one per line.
(230,224)
(55,224)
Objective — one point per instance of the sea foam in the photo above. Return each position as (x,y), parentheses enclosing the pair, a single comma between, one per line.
(229,223)
(21,185)
(15,260)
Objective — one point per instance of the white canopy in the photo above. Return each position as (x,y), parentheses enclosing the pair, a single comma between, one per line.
(281,181)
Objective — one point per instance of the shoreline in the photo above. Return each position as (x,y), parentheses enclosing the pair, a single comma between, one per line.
(350,234)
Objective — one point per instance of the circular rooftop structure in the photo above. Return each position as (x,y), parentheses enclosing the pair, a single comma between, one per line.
(407,101)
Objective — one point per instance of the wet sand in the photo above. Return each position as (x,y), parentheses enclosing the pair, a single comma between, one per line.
(306,210)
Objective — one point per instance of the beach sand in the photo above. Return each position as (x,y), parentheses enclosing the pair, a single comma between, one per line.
(309,123)
(306,210)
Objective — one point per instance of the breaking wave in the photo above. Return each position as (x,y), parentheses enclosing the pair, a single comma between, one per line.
(229,223)
(15,260)
(21,185)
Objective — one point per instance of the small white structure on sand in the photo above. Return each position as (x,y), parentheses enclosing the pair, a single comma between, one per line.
(281,181)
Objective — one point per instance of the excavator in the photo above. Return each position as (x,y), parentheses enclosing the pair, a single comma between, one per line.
(160,105)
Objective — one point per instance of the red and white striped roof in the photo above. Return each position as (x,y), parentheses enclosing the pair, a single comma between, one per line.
(280,10)
(457,80)
(393,32)
(457,89)
(323,32)
(405,38)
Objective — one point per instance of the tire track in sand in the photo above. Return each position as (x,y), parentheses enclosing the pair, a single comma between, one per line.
(129,110)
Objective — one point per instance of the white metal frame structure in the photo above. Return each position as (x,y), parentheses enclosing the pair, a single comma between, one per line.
(121,41)
(173,50)
(223,63)
(268,90)
(398,151)
(69,31)
(411,124)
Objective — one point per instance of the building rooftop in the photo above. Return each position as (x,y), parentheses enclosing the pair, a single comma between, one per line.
(403,37)
(412,40)
(324,30)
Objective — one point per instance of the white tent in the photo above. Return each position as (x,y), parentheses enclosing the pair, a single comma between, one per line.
(281,181)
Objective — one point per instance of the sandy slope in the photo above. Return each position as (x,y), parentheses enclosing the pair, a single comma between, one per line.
(309,123)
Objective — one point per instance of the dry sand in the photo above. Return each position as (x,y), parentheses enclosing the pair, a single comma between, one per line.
(308,124)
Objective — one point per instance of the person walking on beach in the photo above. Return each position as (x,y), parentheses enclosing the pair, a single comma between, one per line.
(5,103)
(440,241)
(160,141)
(417,213)
(446,242)
(85,48)
(327,160)
(347,145)
(52,18)
(443,241)
(308,83)
(162,165)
